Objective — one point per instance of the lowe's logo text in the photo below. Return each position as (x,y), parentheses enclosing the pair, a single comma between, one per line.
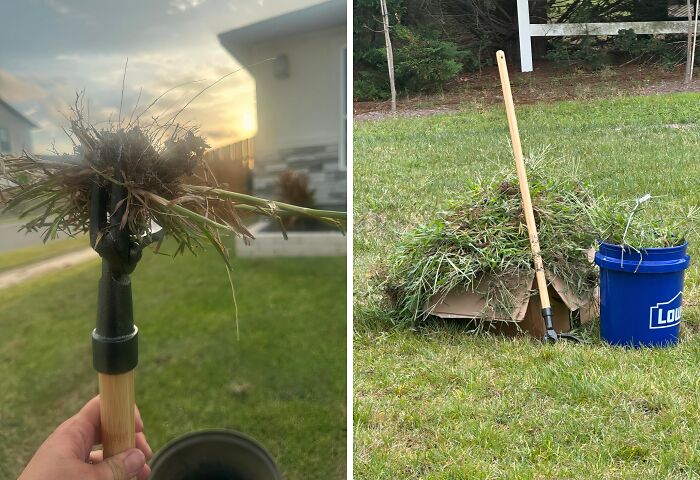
(666,314)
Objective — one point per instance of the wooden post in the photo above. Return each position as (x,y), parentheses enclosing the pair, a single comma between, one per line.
(389,53)
(690,41)
(524,35)
(695,37)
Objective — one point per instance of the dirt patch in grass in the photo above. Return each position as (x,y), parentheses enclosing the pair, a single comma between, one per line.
(546,83)
(37,253)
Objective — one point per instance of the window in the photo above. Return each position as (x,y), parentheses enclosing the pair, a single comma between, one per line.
(4,140)
(343,145)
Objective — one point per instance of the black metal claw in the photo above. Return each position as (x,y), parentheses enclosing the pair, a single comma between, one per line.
(551,335)
(115,337)
(571,337)
(114,244)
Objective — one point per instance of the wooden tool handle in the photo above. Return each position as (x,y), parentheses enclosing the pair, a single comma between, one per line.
(117,410)
(522,179)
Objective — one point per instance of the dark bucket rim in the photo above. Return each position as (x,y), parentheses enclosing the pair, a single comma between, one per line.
(209,432)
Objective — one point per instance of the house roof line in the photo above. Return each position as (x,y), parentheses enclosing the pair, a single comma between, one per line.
(310,19)
(17,113)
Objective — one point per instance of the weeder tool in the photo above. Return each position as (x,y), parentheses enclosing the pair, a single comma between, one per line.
(550,334)
(115,337)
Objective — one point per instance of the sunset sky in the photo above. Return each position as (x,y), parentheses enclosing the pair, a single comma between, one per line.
(52,48)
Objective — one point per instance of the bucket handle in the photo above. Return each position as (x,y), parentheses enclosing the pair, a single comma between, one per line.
(638,203)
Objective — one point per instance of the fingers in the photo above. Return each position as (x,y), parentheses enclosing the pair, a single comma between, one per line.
(96,456)
(144,473)
(142,444)
(139,421)
(91,411)
(76,436)
(121,467)
(89,416)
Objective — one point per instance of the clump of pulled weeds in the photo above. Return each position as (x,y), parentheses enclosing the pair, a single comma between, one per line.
(483,231)
(653,222)
(159,164)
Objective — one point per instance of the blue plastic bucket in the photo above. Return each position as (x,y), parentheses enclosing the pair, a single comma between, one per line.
(641,294)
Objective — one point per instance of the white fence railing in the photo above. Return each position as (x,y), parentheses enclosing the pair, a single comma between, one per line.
(528,30)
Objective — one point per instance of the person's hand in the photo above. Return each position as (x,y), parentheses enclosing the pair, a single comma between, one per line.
(67,454)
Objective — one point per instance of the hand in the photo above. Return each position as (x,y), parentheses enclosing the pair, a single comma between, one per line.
(67,453)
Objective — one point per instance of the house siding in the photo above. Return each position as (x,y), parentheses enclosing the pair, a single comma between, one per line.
(299,116)
(19,131)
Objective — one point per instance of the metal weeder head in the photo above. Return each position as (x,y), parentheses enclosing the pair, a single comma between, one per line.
(115,338)
(114,244)
(117,246)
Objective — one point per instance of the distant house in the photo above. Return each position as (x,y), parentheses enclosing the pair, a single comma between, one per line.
(15,130)
(301,107)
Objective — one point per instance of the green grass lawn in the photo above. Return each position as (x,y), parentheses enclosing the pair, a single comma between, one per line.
(283,382)
(36,253)
(439,403)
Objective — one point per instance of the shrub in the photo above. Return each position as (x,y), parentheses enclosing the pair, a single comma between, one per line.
(423,62)
(372,78)
(579,51)
(294,189)
(598,52)
(667,51)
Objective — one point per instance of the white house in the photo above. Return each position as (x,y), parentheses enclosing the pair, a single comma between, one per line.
(15,130)
(301,97)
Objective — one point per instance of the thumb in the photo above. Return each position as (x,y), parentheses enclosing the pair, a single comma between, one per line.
(121,467)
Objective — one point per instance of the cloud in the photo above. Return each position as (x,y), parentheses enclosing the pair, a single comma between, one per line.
(58,6)
(61,8)
(223,112)
(83,45)
(178,6)
(13,89)
(68,57)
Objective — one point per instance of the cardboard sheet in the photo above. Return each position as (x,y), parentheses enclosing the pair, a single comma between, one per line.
(568,309)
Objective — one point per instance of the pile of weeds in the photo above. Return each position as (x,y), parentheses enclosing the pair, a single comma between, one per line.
(647,222)
(484,232)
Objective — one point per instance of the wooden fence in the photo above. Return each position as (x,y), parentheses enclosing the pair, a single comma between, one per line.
(232,165)
(527,30)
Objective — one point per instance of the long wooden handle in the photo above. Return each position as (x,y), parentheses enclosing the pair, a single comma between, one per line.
(522,179)
(117,410)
